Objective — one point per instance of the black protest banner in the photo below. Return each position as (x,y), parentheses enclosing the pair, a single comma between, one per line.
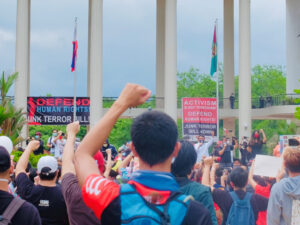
(57,110)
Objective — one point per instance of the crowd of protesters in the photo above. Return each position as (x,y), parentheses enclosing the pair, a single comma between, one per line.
(152,179)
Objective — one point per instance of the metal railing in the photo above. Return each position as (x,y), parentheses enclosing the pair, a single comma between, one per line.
(258,102)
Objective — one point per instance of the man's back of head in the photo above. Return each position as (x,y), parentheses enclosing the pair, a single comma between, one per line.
(239,177)
(154,135)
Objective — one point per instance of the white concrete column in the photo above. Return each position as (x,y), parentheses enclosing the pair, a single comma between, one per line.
(228,65)
(160,52)
(229,124)
(292,45)
(22,57)
(171,59)
(245,70)
(95,59)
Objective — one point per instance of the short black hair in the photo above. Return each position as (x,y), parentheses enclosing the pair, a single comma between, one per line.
(154,135)
(45,175)
(239,177)
(185,160)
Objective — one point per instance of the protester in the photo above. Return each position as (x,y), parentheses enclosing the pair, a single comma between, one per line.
(284,204)
(107,145)
(229,201)
(182,169)
(256,142)
(78,212)
(261,186)
(154,141)
(40,150)
(50,143)
(232,99)
(13,210)
(261,102)
(46,196)
(202,147)
(245,151)
(225,153)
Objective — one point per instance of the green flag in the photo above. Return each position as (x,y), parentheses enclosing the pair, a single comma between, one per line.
(214,58)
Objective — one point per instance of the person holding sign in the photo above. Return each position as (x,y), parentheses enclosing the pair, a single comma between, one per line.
(256,142)
(284,202)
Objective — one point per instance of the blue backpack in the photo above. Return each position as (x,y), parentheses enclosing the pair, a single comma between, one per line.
(135,210)
(241,212)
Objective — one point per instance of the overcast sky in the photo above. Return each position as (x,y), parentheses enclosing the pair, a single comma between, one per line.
(129,31)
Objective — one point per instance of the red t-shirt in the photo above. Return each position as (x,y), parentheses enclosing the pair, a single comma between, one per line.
(100,161)
(265,192)
(98,192)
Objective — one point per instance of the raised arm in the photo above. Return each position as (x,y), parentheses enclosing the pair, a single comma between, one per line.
(131,96)
(23,161)
(250,176)
(264,135)
(206,171)
(68,155)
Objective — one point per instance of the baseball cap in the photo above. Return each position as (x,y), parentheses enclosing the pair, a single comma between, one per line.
(4,159)
(47,161)
(38,133)
(6,143)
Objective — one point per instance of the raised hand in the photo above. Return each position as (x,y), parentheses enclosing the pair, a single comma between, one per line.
(73,128)
(133,95)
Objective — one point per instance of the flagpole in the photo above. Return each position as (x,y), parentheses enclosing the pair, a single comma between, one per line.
(217,73)
(75,74)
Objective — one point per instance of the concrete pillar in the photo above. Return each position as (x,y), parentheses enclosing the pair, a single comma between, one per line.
(245,70)
(95,59)
(160,52)
(292,45)
(229,124)
(22,57)
(171,59)
(228,65)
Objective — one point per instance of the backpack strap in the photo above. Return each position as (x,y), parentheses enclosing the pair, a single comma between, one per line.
(11,210)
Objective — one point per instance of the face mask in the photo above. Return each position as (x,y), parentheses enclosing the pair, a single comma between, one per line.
(201,141)
(228,142)
(54,134)
(37,137)
(105,145)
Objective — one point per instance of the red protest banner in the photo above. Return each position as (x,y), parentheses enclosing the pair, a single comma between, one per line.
(199,116)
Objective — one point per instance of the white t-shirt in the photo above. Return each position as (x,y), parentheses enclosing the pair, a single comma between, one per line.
(202,150)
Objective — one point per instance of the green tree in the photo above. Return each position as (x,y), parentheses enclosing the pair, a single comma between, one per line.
(12,119)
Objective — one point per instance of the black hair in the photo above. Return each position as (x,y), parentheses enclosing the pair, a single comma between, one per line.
(219,172)
(239,177)
(113,174)
(32,174)
(154,135)
(58,173)
(45,175)
(185,160)
(237,160)
(28,167)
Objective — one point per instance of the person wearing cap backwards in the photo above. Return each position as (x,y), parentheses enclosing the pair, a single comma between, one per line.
(46,196)
(27,214)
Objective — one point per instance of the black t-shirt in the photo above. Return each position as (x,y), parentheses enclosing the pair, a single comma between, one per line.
(256,148)
(224,201)
(26,215)
(226,157)
(48,200)
(40,150)
(196,214)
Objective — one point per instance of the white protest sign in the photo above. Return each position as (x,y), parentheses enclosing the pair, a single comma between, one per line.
(267,166)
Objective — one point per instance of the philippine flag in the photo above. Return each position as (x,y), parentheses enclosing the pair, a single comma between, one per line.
(75,46)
